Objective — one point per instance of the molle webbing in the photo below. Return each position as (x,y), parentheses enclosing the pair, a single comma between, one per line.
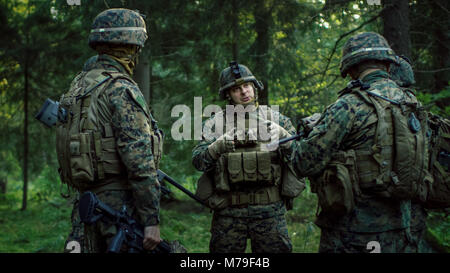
(262,196)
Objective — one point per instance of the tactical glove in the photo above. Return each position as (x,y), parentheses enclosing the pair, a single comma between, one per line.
(223,144)
(278,132)
(308,123)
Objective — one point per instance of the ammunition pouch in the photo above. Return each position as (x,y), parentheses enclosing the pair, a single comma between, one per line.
(248,169)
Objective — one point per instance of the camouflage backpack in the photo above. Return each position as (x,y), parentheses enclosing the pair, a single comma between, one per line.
(400,154)
(84,155)
(439,191)
(85,144)
(396,166)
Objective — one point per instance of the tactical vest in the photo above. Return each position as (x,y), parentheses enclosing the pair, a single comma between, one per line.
(439,190)
(249,175)
(395,166)
(85,144)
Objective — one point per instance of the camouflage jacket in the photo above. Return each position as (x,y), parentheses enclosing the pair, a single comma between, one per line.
(350,123)
(203,161)
(132,123)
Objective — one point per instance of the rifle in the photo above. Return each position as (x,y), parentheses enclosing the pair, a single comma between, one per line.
(303,129)
(163,176)
(129,231)
(272,145)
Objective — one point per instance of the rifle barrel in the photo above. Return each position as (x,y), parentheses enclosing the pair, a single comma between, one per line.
(162,175)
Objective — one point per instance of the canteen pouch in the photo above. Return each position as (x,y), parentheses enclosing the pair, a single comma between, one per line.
(291,186)
(335,191)
(205,187)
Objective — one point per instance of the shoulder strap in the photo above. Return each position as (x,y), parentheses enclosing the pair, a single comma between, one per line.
(138,98)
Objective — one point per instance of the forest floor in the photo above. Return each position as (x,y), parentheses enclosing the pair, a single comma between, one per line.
(45,225)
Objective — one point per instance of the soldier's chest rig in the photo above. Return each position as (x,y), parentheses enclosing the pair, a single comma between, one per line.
(86,146)
(250,175)
(395,166)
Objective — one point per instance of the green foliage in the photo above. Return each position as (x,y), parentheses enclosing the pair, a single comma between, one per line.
(41,228)
(292,46)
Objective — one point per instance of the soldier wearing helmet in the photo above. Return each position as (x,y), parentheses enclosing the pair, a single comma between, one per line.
(247,186)
(111,144)
(348,155)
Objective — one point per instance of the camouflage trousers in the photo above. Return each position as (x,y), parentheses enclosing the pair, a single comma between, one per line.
(230,234)
(420,243)
(76,236)
(337,241)
(99,235)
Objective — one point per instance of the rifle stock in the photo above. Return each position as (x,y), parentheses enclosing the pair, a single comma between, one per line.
(129,231)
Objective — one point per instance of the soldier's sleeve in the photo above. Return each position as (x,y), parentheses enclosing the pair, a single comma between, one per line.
(286,123)
(311,154)
(132,128)
(201,158)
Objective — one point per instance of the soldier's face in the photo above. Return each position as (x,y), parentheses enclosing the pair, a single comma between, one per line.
(243,94)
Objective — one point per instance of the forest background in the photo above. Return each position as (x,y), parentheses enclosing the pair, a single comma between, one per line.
(292,46)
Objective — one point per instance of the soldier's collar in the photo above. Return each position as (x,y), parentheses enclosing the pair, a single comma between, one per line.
(105,59)
(375,75)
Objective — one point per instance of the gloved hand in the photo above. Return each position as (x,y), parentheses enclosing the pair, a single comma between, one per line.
(224,144)
(308,123)
(277,132)
(151,237)
(246,138)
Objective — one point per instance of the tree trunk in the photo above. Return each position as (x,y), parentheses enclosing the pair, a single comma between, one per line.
(142,76)
(25,134)
(3,184)
(261,48)
(235,29)
(396,26)
(441,36)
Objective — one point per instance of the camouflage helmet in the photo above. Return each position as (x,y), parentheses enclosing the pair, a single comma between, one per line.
(118,26)
(234,75)
(402,73)
(363,47)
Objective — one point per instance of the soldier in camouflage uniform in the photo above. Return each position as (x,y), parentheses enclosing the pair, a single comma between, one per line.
(244,180)
(341,156)
(110,144)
